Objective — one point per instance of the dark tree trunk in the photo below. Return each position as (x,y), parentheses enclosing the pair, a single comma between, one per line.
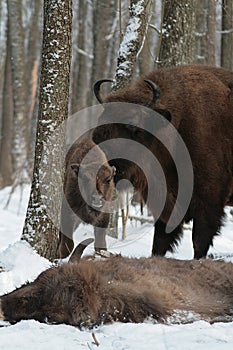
(7,123)
(227,34)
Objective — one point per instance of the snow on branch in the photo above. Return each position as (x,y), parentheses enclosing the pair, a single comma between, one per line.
(226,31)
(132,42)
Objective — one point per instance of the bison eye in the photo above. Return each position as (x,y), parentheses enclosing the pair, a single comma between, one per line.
(108,180)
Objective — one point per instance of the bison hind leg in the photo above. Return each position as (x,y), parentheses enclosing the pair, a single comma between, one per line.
(204,230)
(165,242)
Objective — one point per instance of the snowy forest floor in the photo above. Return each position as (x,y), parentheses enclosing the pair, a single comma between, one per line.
(21,264)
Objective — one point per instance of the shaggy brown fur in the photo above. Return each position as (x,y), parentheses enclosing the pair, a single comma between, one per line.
(199,102)
(75,208)
(127,290)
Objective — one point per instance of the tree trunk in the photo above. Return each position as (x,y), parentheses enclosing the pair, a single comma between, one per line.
(211,32)
(33,47)
(178,34)
(7,123)
(17,47)
(132,42)
(42,219)
(102,14)
(227,34)
(205,31)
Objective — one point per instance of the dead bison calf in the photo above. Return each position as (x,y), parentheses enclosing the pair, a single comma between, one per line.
(86,194)
(87,293)
(198,103)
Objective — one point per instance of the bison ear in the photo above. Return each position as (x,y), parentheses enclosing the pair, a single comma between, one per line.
(165,113)
(75,168)
(113,171)
(151,121)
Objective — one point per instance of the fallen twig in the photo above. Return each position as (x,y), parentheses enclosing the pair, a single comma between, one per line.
(95,340)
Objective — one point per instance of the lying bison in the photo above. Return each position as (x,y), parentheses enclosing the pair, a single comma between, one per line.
(90,204)
(198,102)
(87,293)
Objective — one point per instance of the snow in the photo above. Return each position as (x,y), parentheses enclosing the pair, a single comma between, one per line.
(21,263)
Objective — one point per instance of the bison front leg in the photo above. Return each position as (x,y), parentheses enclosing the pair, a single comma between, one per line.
(165,242)
(69,222)
(100,233)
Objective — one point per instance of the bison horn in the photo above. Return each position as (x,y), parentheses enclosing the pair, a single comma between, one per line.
(79,250)
(97,86)
(155,90)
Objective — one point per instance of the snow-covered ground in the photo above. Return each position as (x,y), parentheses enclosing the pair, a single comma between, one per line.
(21,263)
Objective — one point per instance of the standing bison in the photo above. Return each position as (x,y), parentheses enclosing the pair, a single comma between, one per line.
(198,102)
(88,187)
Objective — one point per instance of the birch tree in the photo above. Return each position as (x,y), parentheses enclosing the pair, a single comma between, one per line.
(40,228)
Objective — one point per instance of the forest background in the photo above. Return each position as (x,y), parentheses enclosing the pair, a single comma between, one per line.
(177,32)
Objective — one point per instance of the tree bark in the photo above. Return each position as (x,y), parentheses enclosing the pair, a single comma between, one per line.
(178,34)
(34,46)
(41,226)
(17,47)
(211,32)
(206,32)
(132,42)
(7,123)
(227,34)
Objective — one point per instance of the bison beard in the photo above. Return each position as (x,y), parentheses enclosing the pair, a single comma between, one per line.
(198,100)
(88,293)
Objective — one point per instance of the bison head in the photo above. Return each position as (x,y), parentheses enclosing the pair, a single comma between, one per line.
(130,114)
(96,186)
(66,294)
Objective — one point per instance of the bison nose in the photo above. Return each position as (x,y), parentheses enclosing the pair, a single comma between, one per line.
(96,201)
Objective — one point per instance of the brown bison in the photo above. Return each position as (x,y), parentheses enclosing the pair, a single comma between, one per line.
(88,293)
(198,102)
(88,205)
